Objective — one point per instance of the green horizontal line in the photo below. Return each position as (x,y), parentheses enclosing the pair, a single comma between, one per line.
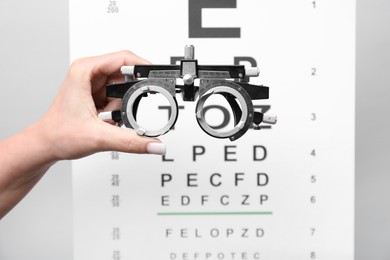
(214,213)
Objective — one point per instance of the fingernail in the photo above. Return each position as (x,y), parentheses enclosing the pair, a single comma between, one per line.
(156,148)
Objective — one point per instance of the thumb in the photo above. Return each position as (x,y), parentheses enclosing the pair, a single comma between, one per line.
(126,140)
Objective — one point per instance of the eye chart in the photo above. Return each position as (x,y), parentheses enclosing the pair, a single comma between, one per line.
(283,192)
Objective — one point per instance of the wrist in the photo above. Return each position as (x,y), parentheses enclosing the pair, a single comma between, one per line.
(39,145)
(44,138)
(24,160)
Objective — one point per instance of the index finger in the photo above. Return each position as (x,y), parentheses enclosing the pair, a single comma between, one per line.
(108,66)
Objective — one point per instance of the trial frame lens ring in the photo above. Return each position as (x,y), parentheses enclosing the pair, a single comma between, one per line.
(244,100)
(129,103)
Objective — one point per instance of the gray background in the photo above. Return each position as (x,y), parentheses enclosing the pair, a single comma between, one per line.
(34,56)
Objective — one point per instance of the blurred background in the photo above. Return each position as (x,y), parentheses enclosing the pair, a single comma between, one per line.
(34,58)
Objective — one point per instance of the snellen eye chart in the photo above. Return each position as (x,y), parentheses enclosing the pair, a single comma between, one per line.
(285,191)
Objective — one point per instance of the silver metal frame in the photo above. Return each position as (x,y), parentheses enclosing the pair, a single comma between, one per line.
(211,87)
(164,87)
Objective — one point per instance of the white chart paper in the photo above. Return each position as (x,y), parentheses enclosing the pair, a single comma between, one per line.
(283,192)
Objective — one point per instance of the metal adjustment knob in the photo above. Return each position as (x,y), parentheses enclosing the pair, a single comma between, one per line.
(252,72)
(188,79)
(128,72)
(270,119)
(189,52)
